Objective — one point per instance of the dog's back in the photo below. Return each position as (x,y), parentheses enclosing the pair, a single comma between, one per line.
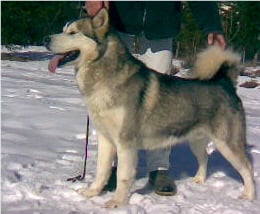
(168,106)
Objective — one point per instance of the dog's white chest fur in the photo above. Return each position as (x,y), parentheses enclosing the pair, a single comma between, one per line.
(107,117)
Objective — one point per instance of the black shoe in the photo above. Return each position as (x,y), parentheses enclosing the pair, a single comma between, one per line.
(162,183)
(111,184)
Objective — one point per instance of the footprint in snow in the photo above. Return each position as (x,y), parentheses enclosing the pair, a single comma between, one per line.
(205,208)
(68,157)
(33,93)
(57,108)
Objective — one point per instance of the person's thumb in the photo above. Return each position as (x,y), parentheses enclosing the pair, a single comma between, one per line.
(210,39)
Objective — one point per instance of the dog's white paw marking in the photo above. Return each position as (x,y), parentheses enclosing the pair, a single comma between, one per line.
(114,203)
(88,192)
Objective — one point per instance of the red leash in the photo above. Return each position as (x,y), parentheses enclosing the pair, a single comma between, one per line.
(82,177)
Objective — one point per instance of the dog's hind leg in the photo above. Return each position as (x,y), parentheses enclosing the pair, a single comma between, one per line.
(126,170)
(106,154)
(238,159)
(198,147)
(230,140)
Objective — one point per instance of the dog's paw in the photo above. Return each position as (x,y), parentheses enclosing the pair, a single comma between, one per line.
(247,196)
(88,192)
(199,179)
(114,203)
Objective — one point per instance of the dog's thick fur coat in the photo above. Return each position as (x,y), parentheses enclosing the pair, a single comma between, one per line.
(133,107)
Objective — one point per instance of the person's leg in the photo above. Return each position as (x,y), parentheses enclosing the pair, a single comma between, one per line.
(158,61)
(158,159)
(157,55)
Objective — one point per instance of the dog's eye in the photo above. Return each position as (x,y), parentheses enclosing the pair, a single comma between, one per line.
(72,33)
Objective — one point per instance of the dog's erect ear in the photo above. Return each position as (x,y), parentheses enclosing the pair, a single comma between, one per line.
(101,23)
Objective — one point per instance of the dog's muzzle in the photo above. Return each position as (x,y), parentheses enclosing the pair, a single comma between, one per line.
(59,59)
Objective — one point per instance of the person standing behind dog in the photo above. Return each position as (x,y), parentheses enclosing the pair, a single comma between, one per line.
(148,28)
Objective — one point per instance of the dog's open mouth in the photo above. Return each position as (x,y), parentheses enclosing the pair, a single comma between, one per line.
(62,59)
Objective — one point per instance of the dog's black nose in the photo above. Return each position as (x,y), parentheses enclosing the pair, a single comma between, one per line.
(46,41)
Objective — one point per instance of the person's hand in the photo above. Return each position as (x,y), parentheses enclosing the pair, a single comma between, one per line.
(93,7)
(217,38)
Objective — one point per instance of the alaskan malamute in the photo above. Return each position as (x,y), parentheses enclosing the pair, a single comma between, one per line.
(134,107)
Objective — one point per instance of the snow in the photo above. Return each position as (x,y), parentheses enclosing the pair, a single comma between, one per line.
(43,140)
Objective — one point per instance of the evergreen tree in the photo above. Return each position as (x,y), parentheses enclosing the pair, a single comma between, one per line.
(25,23)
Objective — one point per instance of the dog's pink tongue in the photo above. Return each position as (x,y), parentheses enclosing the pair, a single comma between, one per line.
(54,62)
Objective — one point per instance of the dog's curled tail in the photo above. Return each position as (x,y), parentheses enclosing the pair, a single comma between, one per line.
(213,60)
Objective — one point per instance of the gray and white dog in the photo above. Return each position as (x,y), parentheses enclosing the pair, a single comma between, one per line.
(134,107)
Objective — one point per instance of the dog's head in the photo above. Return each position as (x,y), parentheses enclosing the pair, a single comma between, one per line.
(79,42)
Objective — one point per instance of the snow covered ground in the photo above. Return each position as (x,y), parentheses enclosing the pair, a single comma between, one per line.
(43,126)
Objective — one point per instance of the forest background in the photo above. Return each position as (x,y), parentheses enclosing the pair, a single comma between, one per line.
(27,22)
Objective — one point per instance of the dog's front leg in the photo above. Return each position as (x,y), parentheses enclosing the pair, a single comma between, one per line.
(106,154)
(126,170)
